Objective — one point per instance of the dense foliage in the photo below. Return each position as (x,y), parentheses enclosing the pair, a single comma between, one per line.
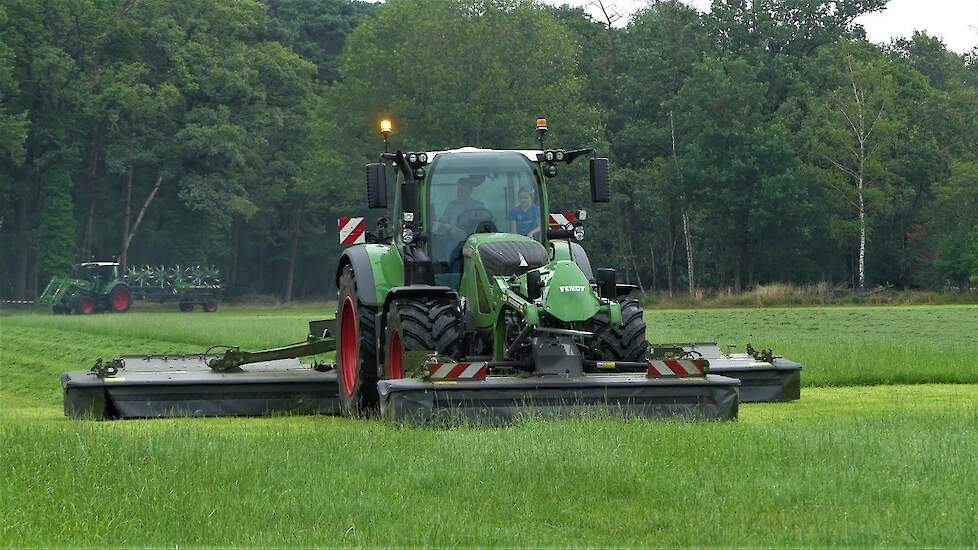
(764,141)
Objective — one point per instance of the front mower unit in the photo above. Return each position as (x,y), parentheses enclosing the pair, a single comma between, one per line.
(503,400)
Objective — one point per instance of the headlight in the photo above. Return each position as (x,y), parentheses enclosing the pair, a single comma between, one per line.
(407,235)
(579,233)
(419,172)
(413,158)
(423,158)
(550,170)
(559,155)
(548,156)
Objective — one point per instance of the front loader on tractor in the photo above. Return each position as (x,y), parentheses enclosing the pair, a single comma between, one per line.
(470,303)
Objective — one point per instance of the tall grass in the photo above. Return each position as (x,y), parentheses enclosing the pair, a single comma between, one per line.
(853,466)
(809,473)
(843,345)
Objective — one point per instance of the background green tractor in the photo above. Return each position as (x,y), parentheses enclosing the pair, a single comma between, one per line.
(476,271)
(98,286)
(91,287)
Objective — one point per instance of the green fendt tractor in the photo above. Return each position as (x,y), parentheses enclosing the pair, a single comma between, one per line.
(93,287)
(496,297)
(471,302)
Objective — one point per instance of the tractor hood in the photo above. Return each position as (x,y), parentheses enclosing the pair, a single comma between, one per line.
(567,294)
(505,253)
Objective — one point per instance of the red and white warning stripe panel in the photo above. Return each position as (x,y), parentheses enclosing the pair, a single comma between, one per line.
(560,221)
(677,367)
(458,371)
(352,231)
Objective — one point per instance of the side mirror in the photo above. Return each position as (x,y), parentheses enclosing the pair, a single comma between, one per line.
(533,286)
(607,283)
(600,187)
(377,185)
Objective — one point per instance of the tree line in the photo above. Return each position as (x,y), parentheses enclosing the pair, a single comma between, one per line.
(763,141)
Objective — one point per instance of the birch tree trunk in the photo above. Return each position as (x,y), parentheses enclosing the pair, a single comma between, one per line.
(857,117)
(690,275)
(689,255)
(862,237)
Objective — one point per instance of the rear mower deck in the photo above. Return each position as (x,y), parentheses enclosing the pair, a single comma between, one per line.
(760,380)
(183,385)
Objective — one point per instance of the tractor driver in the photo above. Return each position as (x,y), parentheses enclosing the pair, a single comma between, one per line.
(457,222)
(453,218)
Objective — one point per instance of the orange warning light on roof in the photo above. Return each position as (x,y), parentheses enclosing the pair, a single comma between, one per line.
(541,124)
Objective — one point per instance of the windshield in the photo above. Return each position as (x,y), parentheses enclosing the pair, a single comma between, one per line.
(479,192)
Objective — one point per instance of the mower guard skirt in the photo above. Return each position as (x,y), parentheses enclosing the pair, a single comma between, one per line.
(760,381)
(185,386)
(503,400)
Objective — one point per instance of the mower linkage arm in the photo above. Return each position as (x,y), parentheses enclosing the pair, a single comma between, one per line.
(320,340)
(233,357)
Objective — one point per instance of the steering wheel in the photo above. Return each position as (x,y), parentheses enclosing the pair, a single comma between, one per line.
(486,226)
(469,220)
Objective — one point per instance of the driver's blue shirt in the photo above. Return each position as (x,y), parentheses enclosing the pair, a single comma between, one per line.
(526,220)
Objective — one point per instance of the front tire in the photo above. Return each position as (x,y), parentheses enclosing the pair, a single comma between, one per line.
(84,305)
(422,324)
(624,342)
(356,353)
(119,299)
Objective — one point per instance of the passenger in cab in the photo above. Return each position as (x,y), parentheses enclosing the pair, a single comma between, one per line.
(524,218)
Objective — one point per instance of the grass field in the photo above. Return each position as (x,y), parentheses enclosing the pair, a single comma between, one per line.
(854,463)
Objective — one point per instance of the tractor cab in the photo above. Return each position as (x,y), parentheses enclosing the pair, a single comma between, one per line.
(473,191)
(100,273)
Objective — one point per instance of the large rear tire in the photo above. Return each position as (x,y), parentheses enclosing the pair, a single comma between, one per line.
(624,342)
(356,354)
(210,306)
(422,324)
(119,299)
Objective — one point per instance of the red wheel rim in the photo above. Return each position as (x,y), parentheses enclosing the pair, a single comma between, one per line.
(395,357)
(349,346)
(87,305)
(120,300)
